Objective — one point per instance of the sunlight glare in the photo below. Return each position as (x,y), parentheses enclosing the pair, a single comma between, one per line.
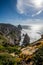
(38,3)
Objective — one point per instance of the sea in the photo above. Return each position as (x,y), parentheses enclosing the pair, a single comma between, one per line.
(34,31)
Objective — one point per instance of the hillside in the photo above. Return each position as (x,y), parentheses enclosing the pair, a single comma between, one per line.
(16,55)
(11,32)
(13,54)
(33,53)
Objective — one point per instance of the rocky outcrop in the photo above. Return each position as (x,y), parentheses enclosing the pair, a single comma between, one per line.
(26,40)
(12,33)
(19,27)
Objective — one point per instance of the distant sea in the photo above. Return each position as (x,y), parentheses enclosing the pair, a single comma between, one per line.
(33,31)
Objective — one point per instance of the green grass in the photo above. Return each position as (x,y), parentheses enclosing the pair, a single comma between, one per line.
(5,47)
(38,58)
(10,49)
(6,59)
(5,50)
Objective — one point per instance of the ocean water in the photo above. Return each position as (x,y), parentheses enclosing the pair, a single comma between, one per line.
(34,33)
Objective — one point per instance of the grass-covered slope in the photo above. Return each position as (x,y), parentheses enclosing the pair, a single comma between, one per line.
(38,57)
(6,52)
(12,54)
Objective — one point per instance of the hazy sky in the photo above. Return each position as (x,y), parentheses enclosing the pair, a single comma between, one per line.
(21,11)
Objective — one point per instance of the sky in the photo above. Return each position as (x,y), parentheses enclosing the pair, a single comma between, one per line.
(21,11)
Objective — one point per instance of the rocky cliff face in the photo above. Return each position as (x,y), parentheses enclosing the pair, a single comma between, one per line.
(11,32)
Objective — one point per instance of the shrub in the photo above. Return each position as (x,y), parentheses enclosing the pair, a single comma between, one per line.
(6,59)
(38,58)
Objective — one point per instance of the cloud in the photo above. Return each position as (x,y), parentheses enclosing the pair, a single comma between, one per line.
(37,13)
(30,7)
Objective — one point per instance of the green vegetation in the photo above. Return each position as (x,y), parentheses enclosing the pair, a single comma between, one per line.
(5,46)
(6,59)
(38,58)
(10,49)
(5,52)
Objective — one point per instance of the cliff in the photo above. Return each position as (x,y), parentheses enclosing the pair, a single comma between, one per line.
(11,33)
